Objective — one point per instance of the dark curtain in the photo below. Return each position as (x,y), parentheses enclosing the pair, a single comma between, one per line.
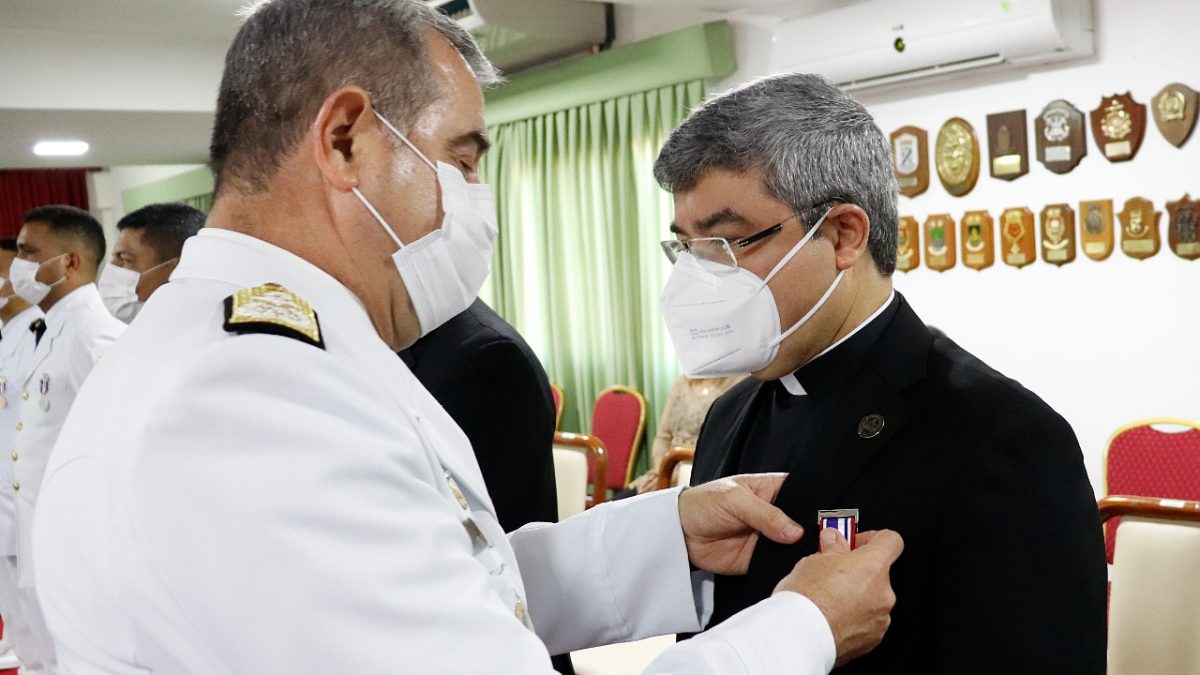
(24,189)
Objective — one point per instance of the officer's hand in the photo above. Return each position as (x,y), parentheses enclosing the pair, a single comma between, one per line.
(851,588)
(722,520)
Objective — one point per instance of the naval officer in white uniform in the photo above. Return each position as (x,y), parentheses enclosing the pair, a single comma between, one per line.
(252,482)
(17,336)
(59,251)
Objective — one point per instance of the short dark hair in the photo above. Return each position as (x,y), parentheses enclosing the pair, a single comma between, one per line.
(8,243)
(164,227)
(73,223)
(290,54)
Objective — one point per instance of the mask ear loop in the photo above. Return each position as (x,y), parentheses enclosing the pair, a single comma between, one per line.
(804,319)
(405,139)
(386,228)
(796,249)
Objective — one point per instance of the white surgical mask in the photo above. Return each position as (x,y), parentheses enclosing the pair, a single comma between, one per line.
(728,324)
(444,270)
(118,289)
(24,279)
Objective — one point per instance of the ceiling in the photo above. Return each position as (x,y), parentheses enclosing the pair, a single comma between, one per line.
(137,79)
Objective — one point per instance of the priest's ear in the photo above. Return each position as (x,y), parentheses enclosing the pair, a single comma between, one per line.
(848,228)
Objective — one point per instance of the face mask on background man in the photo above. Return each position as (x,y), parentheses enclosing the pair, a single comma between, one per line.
(728,323)
(24,279)
(444,270)
(118,289)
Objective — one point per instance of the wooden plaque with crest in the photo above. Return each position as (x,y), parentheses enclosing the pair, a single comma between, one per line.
(1008,147)
(1182,234)
(1017,235)
(910,160)
(1058,234)
(1096,228)
(978,240)
(1175,112)
(939,242)
(908,244)
(957,156)
(1139,228)
(1061,136)
(1119,125)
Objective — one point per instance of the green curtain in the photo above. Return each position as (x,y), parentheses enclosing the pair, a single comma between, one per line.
(578,267)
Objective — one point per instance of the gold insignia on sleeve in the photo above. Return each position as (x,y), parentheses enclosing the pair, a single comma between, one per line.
(274,310)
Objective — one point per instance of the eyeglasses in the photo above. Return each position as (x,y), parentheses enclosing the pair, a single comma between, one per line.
(716,254)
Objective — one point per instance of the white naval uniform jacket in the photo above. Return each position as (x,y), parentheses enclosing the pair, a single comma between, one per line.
(79,329)
(253,504)
(16,349)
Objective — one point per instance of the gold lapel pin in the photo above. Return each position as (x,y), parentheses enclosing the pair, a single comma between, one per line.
(870,426)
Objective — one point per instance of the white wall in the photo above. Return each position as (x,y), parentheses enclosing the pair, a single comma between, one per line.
(1103,343)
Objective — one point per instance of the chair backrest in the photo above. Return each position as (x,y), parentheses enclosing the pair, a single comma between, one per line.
(619,420)
(675,467)
(559,403)
(574,454)
(1146,461)
(1155,604)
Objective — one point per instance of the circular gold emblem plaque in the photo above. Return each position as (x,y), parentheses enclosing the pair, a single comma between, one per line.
(957,153)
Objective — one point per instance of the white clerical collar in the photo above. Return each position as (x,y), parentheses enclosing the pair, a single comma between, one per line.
(792,384)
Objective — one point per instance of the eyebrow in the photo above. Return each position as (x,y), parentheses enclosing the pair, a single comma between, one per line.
(725,215)
(476,137)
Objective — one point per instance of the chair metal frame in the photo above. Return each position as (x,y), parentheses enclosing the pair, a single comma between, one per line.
(638,436)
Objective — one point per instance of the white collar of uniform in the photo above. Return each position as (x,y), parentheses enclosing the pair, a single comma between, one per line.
(245,261)
(85,294)
(789,381)
(21,321)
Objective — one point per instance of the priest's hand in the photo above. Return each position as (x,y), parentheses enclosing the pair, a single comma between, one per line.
(851,588)
(722,521)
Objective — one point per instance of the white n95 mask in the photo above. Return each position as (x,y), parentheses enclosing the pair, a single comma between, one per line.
(23,274)
(728,324)
(118,289)
(444,270)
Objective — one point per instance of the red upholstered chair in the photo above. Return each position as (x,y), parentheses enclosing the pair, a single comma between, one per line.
(619,420)
(1145,461)
(559,404)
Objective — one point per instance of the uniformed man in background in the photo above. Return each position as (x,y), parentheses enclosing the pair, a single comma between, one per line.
(252,482)
(17,325)
(58,254)
(149,243)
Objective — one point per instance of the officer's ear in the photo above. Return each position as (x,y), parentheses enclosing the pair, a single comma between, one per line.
(72,263)
(342,135)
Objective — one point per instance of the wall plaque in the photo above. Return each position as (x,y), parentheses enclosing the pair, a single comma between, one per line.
(1096,228)
(1061,136)
(1119,125)
(1139,228)
(1008,148)
(1182,233)
(1175,112)
(1058,234)
(908,244)
(939,242)
(910,160)
(978,249)
(1017,234)
(957,156)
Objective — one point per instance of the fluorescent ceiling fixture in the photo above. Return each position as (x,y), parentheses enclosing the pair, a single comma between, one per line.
(60,148)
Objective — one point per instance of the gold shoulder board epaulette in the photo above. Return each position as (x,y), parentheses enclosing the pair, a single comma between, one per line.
(274,310)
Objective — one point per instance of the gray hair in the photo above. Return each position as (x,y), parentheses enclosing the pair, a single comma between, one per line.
(813,143)
(289,55)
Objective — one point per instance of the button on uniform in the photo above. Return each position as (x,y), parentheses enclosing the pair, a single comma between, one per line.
(19,425)
(24,396)
(16,487)
(14,456)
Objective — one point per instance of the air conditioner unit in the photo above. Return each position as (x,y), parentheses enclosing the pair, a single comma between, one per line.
(881,42)
(517,34)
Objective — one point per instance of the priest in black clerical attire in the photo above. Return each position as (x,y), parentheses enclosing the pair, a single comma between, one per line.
(785,226)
